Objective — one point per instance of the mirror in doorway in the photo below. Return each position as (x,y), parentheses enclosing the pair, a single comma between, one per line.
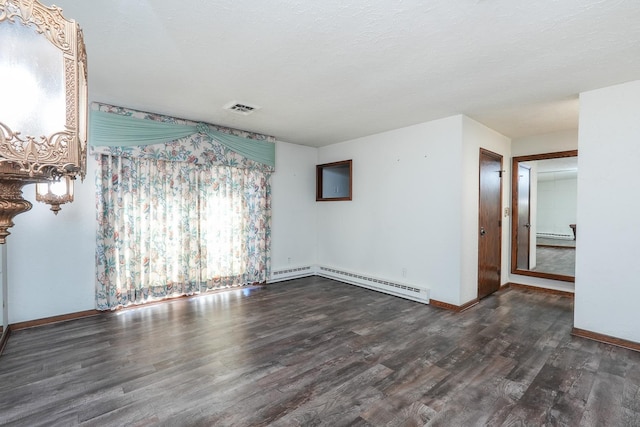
(543,227)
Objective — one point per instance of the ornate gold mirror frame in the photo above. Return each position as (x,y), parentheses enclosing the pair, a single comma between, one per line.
(25,157)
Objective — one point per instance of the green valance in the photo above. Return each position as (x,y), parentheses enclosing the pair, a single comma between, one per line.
(117,130)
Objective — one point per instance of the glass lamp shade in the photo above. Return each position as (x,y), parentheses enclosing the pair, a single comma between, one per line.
(43,110)
(55,193)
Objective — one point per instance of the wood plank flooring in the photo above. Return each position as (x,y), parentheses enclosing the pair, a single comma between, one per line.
(318,352)
(556,260)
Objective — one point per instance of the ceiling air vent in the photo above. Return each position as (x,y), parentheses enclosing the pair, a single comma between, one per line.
(241,108)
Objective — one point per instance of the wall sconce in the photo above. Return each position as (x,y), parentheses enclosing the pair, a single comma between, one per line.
(43,106)
(55,193)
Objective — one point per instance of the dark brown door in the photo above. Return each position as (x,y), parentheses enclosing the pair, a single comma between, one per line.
(490,223)
(524,218)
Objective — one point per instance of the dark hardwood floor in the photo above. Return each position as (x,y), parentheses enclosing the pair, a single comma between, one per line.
(317,352)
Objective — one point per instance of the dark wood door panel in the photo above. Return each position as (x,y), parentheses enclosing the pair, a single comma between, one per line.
(490,223)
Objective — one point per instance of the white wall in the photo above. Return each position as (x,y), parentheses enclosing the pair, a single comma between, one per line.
(406,208)
(474,137)
(539,144)
(51,259)
(557,204)
(607,267)
(545,143)
(414,214)
(293,224)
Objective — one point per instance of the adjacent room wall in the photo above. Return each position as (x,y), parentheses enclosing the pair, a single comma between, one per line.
(293,224)
(539,144)
(51,259)
(607,267)
(557,200)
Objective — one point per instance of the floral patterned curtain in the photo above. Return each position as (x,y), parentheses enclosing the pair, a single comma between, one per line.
(178,219)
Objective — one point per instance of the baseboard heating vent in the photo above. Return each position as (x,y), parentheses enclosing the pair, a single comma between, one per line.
(291,273)
(381,285)
(555,236)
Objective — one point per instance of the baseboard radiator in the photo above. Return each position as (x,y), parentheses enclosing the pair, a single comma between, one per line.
(393,288)
(554,236)
(291,273)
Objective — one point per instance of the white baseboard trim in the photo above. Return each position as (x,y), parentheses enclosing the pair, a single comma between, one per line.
(403,290)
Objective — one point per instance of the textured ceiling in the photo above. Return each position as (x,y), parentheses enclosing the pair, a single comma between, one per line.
(332,70)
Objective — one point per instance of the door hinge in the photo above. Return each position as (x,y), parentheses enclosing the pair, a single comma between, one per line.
(499,271)
(499,223)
